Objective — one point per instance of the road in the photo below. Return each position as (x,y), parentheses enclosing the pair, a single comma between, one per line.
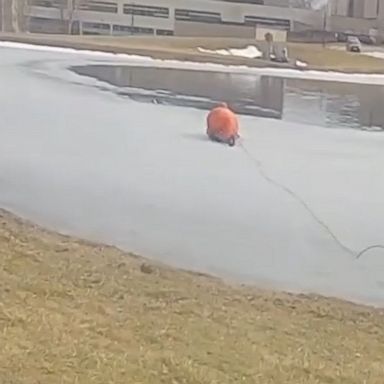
(143,177)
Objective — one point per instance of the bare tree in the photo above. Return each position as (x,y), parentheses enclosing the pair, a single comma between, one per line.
(2,16)
(71,6)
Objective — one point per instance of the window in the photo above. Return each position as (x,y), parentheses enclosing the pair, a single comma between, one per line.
(146,10)
(131,30)
(253,20)
(201,16)
(98,6)
(48,3)
(95,28)
(164,32)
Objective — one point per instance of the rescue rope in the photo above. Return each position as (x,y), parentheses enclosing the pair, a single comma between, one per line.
(306,206)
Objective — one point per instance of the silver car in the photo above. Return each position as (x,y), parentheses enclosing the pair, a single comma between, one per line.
(353,44)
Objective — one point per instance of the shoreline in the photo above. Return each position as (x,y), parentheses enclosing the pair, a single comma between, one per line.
(186,49)
(73,309)
(8,217)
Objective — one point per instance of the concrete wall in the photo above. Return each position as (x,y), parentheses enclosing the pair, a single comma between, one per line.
(381,11)
(370,9)
(361,9)
(358,9)
(11,17)
(48,26)
(342,24)
(339,7)
(6,15)
(359,16)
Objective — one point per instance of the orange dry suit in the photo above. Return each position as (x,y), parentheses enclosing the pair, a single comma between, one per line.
(222,125)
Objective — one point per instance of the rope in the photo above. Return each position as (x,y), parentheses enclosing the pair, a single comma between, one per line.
(306,206)
(365,250)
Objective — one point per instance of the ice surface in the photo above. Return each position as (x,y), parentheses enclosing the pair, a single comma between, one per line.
(144,177)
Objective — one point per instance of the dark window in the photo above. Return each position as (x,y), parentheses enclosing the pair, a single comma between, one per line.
(164,32)
(146,10)
(201,16)
(351,7)
(43,25)
(98,6)
(258,2)
(95,28)
(96,25)
(131,30)
(48,3)
(257,20)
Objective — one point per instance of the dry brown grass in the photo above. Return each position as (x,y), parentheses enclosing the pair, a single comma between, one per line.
(332,59)
(184,48)
(73,312)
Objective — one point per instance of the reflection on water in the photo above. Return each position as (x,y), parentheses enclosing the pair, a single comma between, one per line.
(328,104)
(334,104)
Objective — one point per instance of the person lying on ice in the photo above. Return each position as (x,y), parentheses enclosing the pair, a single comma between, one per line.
(223,125)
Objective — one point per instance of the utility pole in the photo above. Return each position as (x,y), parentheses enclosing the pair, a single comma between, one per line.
(324,26)
(15,15)
(2,18)
(132,18)
(325,21)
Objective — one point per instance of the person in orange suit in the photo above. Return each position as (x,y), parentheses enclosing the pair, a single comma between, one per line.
(223,125)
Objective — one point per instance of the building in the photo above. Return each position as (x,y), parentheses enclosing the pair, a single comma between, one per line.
(359,9)
(226,18)
(358,16)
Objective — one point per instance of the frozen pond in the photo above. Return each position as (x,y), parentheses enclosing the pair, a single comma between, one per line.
(143,176)
(330,104)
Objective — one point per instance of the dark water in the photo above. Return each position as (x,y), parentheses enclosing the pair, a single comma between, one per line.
(324,103)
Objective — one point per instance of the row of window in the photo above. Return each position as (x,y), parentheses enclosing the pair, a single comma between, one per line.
(44,25)
(90,3)
(252,20)
(97,6)
(60,4)
(104,28)
(158,12)
(146,10)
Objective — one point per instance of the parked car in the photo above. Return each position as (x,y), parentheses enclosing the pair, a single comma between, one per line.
(342,37)
(353,44)
(366,39)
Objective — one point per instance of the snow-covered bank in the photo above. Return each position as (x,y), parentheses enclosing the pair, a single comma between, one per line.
(250,52)
(359,78)
(376,54)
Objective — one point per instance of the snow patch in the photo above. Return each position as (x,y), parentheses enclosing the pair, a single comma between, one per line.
(376,54)
(46,48)
(250,52)
(301,64)
(144,61)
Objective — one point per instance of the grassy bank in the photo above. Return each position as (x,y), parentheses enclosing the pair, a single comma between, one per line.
(180,48)
(74,312)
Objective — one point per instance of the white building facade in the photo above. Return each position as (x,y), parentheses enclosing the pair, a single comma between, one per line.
(236,18)
(224,18)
